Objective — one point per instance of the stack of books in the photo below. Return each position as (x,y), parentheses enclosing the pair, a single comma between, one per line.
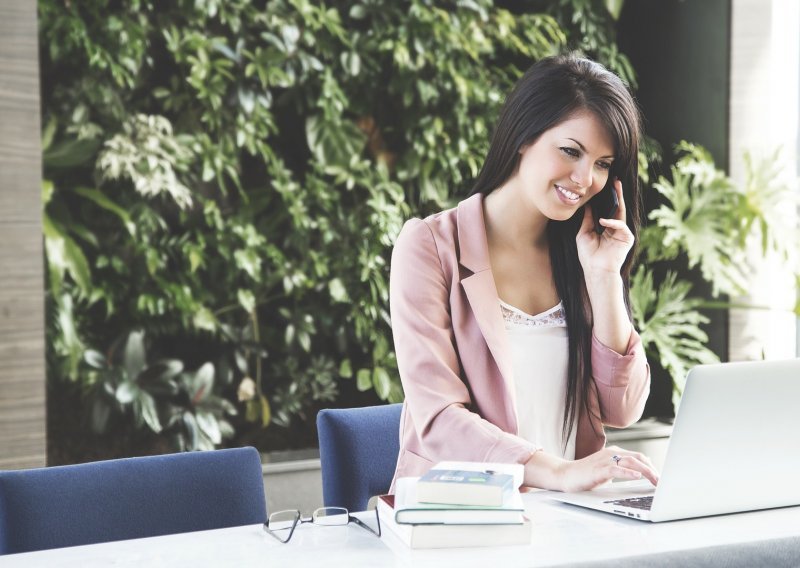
(458,504)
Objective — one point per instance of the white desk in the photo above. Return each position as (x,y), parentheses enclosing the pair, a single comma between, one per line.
(562,535)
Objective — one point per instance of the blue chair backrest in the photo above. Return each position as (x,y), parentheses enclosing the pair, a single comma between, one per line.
(358,450)
(129,498)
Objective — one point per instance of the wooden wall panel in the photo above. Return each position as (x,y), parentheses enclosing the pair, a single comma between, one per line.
(22,365)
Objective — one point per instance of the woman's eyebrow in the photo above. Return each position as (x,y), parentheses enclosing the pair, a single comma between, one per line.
(610,157)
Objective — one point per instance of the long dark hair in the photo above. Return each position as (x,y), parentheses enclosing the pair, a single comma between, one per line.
(551,91)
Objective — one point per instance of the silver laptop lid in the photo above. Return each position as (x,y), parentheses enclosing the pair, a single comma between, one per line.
(736,441)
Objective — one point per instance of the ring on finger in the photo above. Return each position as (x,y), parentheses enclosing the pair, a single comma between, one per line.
(616,459)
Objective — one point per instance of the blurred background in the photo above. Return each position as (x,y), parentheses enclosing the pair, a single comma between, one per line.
(198,201)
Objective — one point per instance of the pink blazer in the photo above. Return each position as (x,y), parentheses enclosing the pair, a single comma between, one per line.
(454,360)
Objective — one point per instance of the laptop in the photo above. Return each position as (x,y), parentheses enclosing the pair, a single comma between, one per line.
(735,446)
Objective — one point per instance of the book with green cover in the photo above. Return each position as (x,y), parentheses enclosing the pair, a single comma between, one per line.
(409,510)
(464,487)
(447,536)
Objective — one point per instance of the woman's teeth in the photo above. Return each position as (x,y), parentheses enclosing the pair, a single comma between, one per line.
(568,194)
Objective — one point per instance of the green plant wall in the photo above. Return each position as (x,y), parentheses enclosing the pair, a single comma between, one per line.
(225,180)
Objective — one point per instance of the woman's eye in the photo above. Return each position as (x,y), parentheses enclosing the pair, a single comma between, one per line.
(570,151)
(604,165)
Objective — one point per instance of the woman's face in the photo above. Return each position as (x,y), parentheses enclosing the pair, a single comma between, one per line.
(566,166)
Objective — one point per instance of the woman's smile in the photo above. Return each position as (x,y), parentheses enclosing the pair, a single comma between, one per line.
(566,196)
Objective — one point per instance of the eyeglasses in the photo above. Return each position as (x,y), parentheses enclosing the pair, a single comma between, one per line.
(281,524)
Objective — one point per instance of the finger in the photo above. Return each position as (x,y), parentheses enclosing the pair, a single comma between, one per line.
(633,460)
(634,455)
(621,210)
(615,224)
(619,472)
(619,230)
(643,458)
(631,463)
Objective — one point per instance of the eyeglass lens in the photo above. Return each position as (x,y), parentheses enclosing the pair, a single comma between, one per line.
(330,516)
(281,524)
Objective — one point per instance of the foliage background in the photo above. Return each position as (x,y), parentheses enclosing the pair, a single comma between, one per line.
(224,183)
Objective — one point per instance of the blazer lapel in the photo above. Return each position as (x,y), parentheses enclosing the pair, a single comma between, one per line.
(482,292)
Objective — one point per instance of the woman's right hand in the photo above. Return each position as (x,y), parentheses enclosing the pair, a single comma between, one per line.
(549,472)
(607,464)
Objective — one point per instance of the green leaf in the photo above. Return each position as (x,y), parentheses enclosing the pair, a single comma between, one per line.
(248,100)
(614,7)
(207,423)
(241,362)
(134,355)
(266,412)
(304,339)
(47,191)
(252,410)
(701,218)
(202,383)
(101,200)
(333,143)
(345,369)
(247,300)
(149,412)
(250,262)
(338,291)
(69,345)
(77,265)
(226,430)
(70,153)
(290,34)
(204,319)
(127,392)
(48,133)
(381,382)
(95,359)
(669,324)
(65,256)
(357,11)
(351,63)
(363,380)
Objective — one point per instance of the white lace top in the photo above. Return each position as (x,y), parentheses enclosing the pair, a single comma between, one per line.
(539,348)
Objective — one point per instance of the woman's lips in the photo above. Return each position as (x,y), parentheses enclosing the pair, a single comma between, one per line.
(566,196)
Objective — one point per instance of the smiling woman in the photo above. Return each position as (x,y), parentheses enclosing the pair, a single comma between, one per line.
(510,313)
(576,174)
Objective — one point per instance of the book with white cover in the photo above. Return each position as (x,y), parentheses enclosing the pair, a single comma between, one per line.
(408,510)
(448,536)
(465,487)
(515,469)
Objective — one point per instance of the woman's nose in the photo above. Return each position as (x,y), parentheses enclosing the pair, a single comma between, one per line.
(582,175)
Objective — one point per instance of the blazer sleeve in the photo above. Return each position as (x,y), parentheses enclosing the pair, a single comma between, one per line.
(623,381)
(436,397)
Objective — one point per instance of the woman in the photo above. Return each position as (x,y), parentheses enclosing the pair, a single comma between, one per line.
(484,379)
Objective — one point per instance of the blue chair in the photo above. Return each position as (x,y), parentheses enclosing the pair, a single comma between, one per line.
(129,498)
(358,450)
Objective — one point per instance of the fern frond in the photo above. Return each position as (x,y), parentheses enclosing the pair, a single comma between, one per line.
(669,325)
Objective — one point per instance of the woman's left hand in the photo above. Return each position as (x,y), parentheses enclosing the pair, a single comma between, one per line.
(604,253)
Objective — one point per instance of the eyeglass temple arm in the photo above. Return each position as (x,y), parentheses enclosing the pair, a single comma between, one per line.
(297,521)
(362,524)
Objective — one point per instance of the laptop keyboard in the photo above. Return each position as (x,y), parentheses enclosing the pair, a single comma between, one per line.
(634,502)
